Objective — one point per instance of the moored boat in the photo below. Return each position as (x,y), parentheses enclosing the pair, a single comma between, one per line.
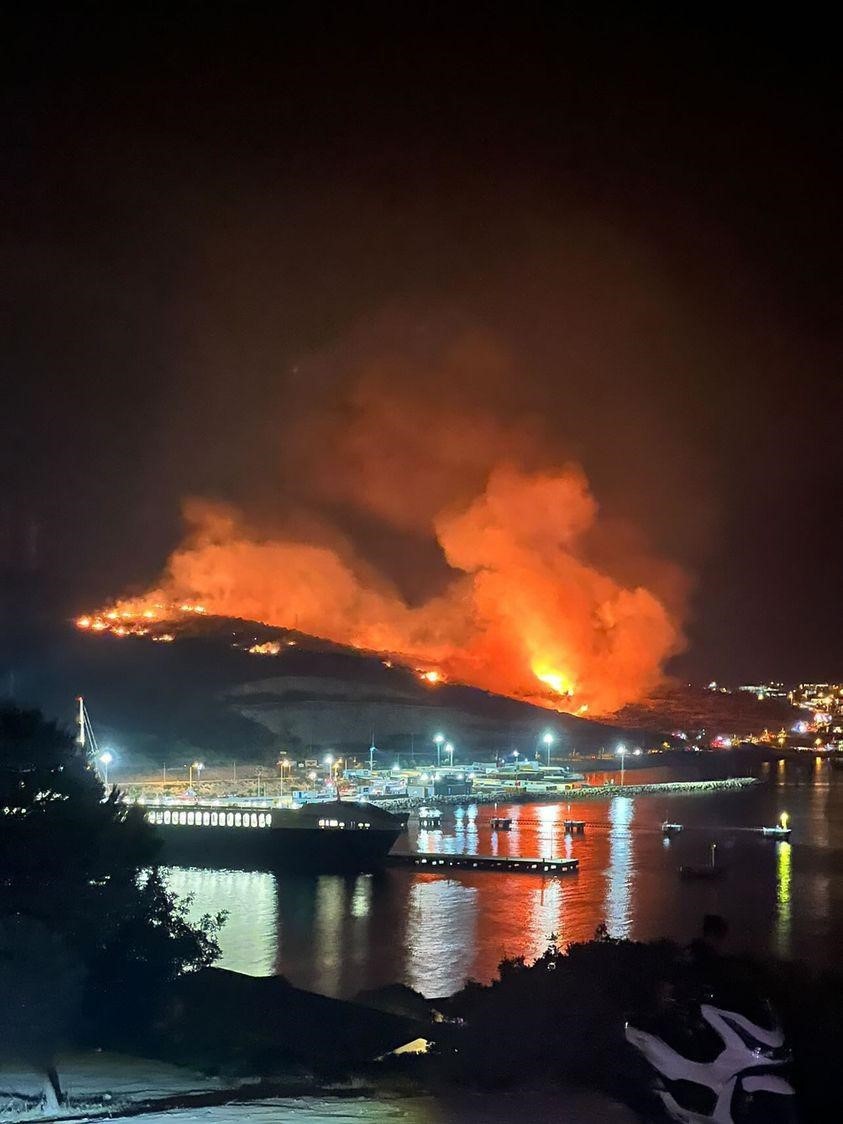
(671,828)
(336,835)
(693,871)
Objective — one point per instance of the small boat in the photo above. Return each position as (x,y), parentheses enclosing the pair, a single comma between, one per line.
(710,870)
(780,831)
(501,823)
(671,828)
(430,817)
(572,826)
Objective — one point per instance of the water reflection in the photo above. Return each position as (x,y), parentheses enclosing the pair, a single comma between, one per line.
(620,874)
(250,937)
(342,934)
(783,858)
(442,917)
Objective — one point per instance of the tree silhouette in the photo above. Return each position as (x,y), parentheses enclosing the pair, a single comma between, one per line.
(77,867)
(40,990)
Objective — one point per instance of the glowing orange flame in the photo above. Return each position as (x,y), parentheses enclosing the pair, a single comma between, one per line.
(526,612)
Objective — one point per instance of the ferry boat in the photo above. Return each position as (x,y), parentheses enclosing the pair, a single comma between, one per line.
(335,835)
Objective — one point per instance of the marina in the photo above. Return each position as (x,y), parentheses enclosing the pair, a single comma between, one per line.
(431,927)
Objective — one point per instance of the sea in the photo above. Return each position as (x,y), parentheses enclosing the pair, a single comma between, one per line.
(340,934)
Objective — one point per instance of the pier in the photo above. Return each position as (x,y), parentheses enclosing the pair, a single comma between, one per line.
(505,864)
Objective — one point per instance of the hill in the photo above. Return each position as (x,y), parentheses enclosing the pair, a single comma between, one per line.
(224,690)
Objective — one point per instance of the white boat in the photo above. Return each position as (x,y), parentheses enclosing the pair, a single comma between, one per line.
(671,828)
(780,831)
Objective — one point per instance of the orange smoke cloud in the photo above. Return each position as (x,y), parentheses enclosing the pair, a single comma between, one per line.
(524,613)
(413,513)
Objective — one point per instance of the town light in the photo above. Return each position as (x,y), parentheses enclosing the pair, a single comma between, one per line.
(105,759)
(547,738)
(622,751)
(438,739)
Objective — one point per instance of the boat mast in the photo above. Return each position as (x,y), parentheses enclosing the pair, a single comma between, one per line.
(85,738)
(80,722)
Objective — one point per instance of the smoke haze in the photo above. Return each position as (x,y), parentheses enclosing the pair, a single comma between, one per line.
(524,597)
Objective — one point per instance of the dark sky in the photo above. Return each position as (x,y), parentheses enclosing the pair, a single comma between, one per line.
(197,203)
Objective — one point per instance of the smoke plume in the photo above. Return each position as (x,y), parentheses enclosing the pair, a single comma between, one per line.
(526,597)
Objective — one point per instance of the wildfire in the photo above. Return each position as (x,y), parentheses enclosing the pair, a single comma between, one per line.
(136,617)
(525,612)
(554,679)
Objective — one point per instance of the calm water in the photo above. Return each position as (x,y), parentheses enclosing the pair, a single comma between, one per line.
(339,934)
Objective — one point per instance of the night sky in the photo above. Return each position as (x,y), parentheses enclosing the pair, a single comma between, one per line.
(212,218)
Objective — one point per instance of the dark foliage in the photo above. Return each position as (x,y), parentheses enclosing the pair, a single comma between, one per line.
(562,1017)
(77,865)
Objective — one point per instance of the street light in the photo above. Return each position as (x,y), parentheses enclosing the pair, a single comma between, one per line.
(449,749)
(328,760)
(438,739)
(105,760)
(548,741)
(283,764)
(198,766)
(622,751)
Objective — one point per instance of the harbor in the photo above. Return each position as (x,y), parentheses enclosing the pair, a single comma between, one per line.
(432,926)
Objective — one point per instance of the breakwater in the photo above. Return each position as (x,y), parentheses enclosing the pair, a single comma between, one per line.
(588,792)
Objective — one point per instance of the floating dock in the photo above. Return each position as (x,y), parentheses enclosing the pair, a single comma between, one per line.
(504,864)
(501,823)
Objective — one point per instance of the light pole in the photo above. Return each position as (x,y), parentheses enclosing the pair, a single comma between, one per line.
(449,749)
(622,751)
(105,760)
(198,766)
(438,739)
(283,764)
(548,741)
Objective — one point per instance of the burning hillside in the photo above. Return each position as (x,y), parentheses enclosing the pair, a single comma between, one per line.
(535,594)
(524,614)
